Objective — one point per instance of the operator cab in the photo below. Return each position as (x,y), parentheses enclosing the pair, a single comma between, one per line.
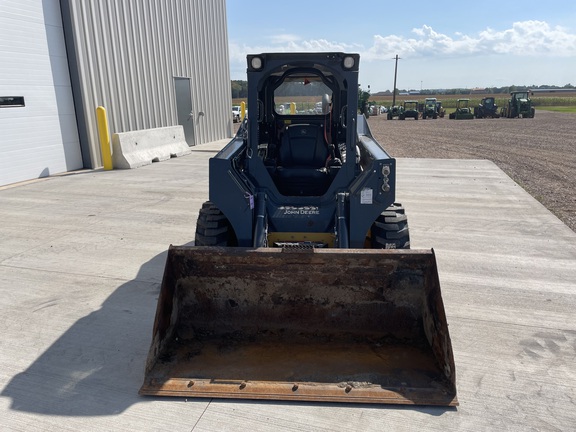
(301,140)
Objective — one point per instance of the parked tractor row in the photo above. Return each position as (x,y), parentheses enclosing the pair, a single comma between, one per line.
(432,108)
(519,105)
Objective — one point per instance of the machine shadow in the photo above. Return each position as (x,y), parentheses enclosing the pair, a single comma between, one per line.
(97,366)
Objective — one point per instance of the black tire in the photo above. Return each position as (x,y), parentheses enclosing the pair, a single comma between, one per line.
(213,228)
(390,230)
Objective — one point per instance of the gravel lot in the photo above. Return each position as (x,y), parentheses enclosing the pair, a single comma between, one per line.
(539,153)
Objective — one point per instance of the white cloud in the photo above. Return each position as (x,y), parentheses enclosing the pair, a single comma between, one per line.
(525,38)
(282,43)
(289,43)
(280,39)
(532,38)
(541,54)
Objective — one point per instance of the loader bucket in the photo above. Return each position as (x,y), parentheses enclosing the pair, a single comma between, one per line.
(334,325)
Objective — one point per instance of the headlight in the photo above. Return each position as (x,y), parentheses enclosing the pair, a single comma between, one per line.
(348,62)
(256,63)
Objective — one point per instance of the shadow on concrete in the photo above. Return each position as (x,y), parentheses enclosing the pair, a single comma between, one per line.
(97,366)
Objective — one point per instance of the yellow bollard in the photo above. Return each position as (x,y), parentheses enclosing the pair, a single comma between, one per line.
(104,135)
(242,110)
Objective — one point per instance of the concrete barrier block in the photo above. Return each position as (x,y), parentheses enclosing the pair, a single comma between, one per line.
(138,148)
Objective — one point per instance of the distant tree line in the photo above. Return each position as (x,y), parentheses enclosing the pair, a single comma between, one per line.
(240,90)
(487,90)
(363,96)
(301,89)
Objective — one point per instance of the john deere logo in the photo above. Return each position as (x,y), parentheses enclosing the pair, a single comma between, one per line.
(296,211)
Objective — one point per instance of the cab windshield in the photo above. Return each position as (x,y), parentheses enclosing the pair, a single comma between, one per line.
(301,94)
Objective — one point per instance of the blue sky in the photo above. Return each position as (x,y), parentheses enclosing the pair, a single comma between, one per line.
(442,44)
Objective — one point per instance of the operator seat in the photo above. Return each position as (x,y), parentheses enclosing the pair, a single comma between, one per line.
(302,156)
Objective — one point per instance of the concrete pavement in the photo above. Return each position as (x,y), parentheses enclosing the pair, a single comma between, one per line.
(82,256)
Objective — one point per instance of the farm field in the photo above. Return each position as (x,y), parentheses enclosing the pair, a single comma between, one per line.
(552,101)
(541,100)
(539,153)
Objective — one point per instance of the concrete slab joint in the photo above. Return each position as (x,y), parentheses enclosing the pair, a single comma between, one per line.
(142,147)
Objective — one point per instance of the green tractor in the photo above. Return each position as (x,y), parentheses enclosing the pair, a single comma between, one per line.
(410,109)
(395,111)
(463,111)
(519,105)
(487,108)
(431,108)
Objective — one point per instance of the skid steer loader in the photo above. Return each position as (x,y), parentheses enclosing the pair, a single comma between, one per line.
(301,284)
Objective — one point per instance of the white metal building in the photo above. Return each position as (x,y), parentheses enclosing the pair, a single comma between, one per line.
(150,63)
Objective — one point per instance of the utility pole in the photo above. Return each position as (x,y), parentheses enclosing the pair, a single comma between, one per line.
(395,73)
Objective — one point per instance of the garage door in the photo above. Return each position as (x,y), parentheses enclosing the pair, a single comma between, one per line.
(38,131)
